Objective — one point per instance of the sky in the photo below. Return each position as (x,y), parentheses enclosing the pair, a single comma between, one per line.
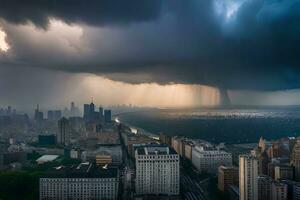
(163,53)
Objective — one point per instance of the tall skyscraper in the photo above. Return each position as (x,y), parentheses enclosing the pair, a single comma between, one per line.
(107,116)
(264,187)
(72,107)
(92,107)
(248,172)
(89,113)
(38,115)
(296,159)
(54,114)
(86,110)
(63,131)
(101,113)
(157,170)
(263,160)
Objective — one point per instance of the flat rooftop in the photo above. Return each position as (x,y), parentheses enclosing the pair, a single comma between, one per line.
(155,150)
(83,170)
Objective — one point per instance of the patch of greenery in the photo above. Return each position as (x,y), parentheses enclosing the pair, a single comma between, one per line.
(17,185)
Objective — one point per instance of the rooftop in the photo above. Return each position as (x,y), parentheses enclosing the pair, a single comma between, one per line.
(47,158)
(155,149)
(83,170)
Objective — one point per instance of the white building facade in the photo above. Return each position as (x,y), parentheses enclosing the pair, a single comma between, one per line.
(209,160)
(79,186)
(157,171)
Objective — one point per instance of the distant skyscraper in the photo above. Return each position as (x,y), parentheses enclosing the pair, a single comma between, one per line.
(107,116)
(262,144)
(92,107)
(54,114)
(296,159)
(89,113)
(63,131)
(38,116)
(86,110)
(101,112)
(72,107)
(248,172)
(9,110)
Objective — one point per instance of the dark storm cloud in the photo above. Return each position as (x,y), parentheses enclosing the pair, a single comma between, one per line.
(244,44)
(96,12)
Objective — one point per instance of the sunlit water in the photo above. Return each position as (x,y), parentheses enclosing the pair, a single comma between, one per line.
(219,125)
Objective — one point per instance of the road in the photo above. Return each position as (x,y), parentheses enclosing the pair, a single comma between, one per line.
(192,188)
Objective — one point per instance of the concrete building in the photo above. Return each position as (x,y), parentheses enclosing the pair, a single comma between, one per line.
(283,172)
(209,159)
(248,173)
(293,189)
(188,150)
(54,115)
(262,158)
(227,176)
(63,136)
(83,182)
(157,170)
(177,144)
(264,187)
(296,159)
(165,139)
(296,191)
(279,191)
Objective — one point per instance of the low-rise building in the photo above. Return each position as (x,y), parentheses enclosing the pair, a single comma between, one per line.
(83,182)
(209,159)
(102,159)
(75,153)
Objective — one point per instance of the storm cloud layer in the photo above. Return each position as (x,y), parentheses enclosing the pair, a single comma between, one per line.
(233,44)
